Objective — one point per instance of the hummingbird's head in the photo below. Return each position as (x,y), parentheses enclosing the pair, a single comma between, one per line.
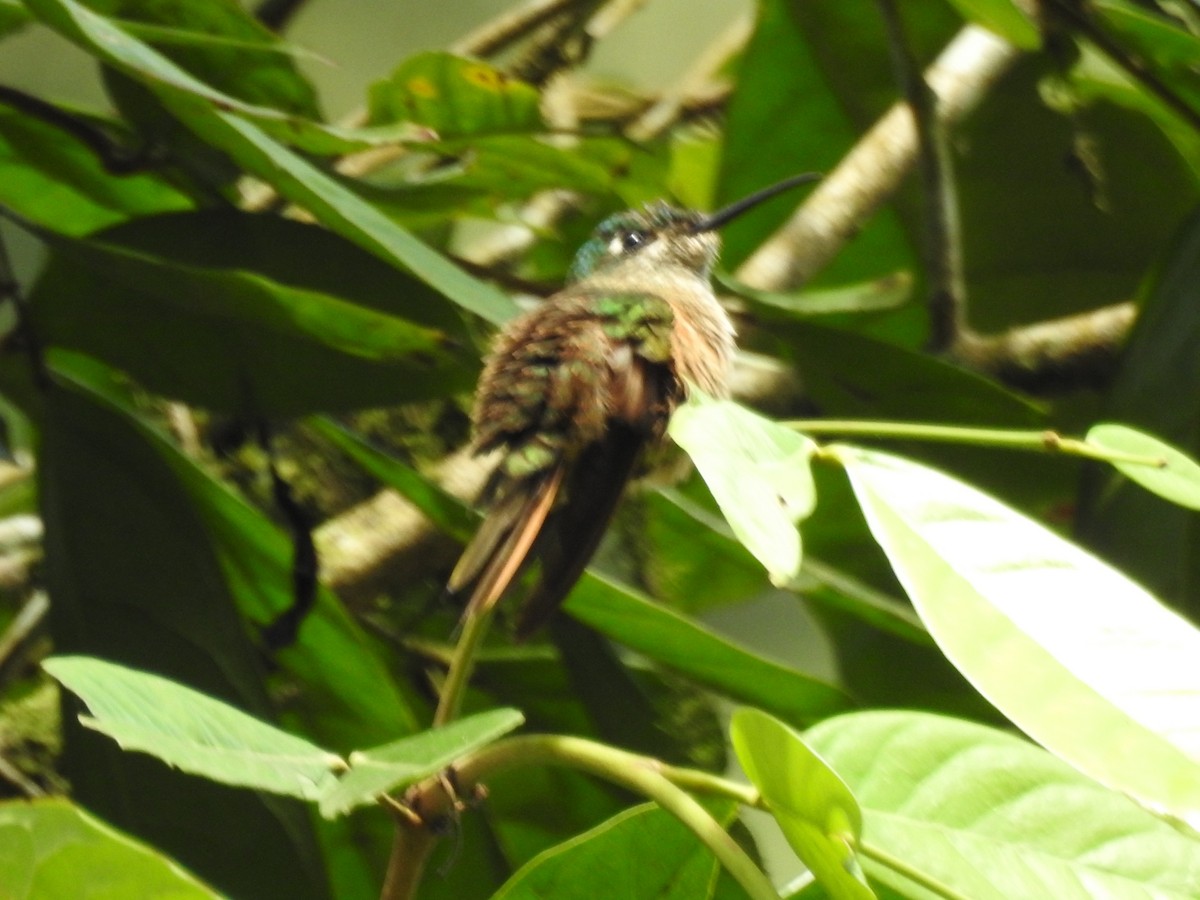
(662,235)
(658,235)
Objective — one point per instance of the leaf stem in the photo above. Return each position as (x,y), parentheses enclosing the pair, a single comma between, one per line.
(913,874)
(1036,441)
(642,774)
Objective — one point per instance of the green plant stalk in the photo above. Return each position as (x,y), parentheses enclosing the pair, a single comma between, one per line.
(462,663)
(642,774)
(914,875)
(1036,441)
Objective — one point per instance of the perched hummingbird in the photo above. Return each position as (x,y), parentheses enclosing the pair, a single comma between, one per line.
(575,389)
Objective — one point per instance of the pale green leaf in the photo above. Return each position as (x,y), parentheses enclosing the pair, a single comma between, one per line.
(1004,17)
(758,472)
(395,766)
(993,817)
(194,732)
(1080,657)
(818,814)
(1177,479)
(50,848)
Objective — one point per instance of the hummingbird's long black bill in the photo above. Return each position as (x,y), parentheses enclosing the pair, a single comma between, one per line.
(716,219)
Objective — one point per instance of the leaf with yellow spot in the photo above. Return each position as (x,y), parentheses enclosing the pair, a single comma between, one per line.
(456,97)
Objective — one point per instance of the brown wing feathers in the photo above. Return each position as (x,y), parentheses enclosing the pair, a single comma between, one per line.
(571,406)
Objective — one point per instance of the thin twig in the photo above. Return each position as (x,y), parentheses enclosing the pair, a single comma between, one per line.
(842,203)
(943,238)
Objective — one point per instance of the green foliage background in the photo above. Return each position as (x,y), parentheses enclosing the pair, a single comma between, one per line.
(176,291)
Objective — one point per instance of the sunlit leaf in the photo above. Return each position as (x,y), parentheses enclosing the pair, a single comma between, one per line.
(818,814)
(758,472)
(1076,654)
(193,732)
(987,815)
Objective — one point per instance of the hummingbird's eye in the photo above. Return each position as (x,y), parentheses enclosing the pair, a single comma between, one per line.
(631,240)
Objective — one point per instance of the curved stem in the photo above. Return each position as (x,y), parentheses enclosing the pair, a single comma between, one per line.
(1036,441)
(637,773)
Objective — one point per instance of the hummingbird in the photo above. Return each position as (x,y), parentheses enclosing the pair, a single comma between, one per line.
(574,390)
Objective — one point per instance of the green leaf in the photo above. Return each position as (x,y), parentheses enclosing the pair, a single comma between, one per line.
(252,326)
(193,732)
(758,472)
(13,16)
(1159,44)
(818,814)
(135,580)
(341,210)
(1004,17)
(1177,479)
(395,766)
(455,97)
(49,178)
(643,852)
(989,816)
(693,650)
(51,848)
(350,697)
(1078,656)
(105,39)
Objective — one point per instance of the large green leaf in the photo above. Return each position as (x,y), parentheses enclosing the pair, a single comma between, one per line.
(252,314)
(758,472)
(250,146)
(691,649)
(1081,658)
(50,178)
(989,816)
(382,770)
(818,814)
(193,732)
(52,848)
(135,579)
(643,852)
